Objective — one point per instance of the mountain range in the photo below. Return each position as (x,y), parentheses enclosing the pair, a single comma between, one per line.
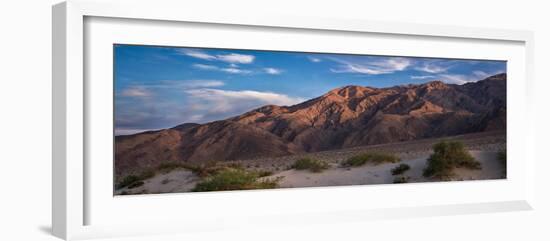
(344,117)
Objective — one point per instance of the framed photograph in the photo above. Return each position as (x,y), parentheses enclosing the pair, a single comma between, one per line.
(177,121)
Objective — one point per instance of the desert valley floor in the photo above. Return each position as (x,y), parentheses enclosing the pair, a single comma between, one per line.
(484,147)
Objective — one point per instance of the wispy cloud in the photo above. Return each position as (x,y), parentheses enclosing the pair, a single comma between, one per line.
(467,78)
(231,58)
(205,67)
(235,71)
(273,71)
(456,78)
(249,95)
(148,89)
(199,83)
(215,104)
(372,66)
(136,91)
(314,59)
(197,54)
(236,58)
(149,106)
(483,74)
(423,76)
(230,70)
(432,68)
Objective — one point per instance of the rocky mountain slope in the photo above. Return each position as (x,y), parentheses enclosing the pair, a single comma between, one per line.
(345,117)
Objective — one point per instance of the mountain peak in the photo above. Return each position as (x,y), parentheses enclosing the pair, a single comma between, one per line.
(434,85)
(184,126)
(351,91)
(501,76)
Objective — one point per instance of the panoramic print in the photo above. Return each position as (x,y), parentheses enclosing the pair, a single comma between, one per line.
(203,119)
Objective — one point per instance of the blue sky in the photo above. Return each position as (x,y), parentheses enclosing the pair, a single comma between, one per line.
(161,87)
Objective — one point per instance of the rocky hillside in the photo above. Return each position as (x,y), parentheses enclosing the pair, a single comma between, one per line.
(345,117)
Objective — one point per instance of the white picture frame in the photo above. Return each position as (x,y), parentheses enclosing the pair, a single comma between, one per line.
(74,198)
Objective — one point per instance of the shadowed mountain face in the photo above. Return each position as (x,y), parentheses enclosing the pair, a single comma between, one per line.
(344,117)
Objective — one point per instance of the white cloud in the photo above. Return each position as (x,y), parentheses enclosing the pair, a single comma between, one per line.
(314,60)
(230,70)
(201,83)
(266,97)
(481,74)
(236,58)
(273,71)
(235,71)
(136,91)
(215,104)
(197,54)
(375,67)
(231,58)
(463,79)
(195,118)
(455,78)
(432,68)
(205,66)
(148,90)
(422,76)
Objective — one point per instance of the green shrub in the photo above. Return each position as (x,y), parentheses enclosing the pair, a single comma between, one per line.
(370,157)
(234,179)
(205,169)
(401,179)
(310,164)
(127,180)
(170,166)
(264,173)
(133,179)
(400,169)
(446,157)
(136,184)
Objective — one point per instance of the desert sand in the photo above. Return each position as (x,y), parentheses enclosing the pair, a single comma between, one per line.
(381,174)
(181,180)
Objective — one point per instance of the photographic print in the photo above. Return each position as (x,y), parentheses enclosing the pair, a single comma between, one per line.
(192,119)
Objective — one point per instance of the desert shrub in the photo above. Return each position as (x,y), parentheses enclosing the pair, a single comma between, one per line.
(234,179)
(400,169)
(446,156)
(133,179)
(233,165)
(170,166)
(401,179)
(310,164)
(136,184)
(204,169)
(264,173)
(127,180)
(370,157)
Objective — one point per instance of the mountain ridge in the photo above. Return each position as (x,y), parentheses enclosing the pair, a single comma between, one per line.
(343,117)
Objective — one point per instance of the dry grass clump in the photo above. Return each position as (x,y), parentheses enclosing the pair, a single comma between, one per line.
(234,179)
(310,164)
(134,180)
(375,158)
